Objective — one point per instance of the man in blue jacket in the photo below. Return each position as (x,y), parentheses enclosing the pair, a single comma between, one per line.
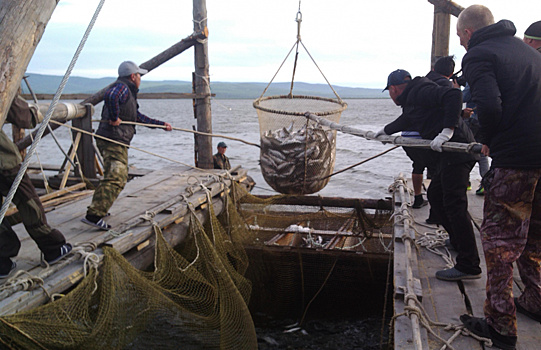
(504,76)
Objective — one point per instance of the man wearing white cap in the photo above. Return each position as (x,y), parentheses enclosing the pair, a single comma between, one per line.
(120,104)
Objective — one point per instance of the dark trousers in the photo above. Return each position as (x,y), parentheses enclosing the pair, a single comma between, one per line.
(447,196)
(26,200)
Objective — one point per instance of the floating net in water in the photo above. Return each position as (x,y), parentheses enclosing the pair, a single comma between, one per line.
(262,253)
(297,155)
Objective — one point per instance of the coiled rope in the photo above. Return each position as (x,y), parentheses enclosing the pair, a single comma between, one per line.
(48,116)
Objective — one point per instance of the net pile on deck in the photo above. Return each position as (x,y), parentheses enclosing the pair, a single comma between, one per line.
(198,294)
(297,154)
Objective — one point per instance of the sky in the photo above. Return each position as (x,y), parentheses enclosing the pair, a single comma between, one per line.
(354,43)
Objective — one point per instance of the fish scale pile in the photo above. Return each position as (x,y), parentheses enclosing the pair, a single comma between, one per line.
(294,161)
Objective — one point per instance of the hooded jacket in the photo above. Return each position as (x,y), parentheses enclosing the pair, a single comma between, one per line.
(504,75)
(429,108)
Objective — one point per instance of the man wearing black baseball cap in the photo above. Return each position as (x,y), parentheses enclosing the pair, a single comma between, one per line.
(435,112)
(532,36)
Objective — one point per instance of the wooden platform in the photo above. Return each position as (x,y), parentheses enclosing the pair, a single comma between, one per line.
(160,192)
(446,301)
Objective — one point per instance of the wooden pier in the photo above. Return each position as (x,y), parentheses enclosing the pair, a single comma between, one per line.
(444,301)
(161,196)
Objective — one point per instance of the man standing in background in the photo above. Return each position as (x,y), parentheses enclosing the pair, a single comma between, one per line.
(220,159)
(532,36)
(504,76)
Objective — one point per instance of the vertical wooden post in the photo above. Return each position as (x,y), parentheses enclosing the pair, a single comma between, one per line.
(202,87)
(440,34)
(22,24)
(85,153)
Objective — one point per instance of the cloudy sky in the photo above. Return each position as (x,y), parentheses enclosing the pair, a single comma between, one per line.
(354,43)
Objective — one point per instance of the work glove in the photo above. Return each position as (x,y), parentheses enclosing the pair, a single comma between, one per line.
(444,136)
(381,132)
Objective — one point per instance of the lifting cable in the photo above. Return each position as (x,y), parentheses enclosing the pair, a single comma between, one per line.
(298,19)
(48,116)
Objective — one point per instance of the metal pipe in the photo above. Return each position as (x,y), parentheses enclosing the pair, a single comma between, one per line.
(473,147)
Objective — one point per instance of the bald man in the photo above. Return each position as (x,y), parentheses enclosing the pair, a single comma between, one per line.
(509,109)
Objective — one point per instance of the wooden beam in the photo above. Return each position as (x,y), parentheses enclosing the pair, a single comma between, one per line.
(22,24)
(202,87)
(447,6)
(63,112)
(72,157)
(85,153)
(140,96)
(440,35)
(332,202)
(157,60)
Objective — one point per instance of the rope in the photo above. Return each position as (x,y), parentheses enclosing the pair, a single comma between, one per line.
(191,208)
(361,162)
(434,240)
(129,146)
(25,281)
(426,322)
(185,130)
(48,189)
(48,116)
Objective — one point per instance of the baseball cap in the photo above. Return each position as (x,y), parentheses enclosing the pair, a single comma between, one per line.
(222,144)
(397,77)
(128,67)
(534,31)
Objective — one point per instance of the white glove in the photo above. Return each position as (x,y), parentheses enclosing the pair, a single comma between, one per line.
(444,136)
(381,132)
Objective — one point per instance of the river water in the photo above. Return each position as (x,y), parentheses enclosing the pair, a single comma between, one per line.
(238,118)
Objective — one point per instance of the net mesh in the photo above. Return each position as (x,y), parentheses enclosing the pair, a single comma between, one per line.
(255,255)
(297,154)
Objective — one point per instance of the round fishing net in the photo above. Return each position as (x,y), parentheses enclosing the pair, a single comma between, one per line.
(297,155)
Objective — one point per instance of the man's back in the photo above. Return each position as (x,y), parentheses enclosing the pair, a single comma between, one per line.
(504,75)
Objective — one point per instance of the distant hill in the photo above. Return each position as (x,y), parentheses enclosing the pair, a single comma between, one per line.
(48,84)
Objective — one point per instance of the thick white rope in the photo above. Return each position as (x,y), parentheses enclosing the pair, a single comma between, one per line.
(48,116)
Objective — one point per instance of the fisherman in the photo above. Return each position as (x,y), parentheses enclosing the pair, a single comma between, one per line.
(50,241)
(120,104)
(532,36)
(220,159)
(503,73)
(435,111)
(421,158)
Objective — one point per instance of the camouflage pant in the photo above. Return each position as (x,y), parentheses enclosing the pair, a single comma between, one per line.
(31,211)
(115,176)
(511,232)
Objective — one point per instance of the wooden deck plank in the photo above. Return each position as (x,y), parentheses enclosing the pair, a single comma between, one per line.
(154,190)
(444,302)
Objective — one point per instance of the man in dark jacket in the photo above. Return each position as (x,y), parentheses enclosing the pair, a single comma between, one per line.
(504,75)
(532,36)
(422,158)
(435,111)
(120,104)
(50,241)
(220,159)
